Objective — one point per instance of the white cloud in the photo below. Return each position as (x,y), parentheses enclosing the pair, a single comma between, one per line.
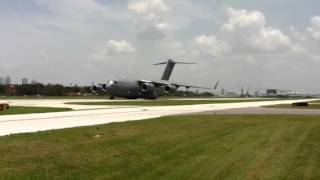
(316,35)
(248,30)
(77,16)
(5,66)
(113,48)
(239,19)
(151,19)
(244,33)
(153,31)
(147,6)
(212,45)
(163,26)
(315,22)
(44,55)
(315,27)
(119,47)
(73,8)
(271,40)
(296,34)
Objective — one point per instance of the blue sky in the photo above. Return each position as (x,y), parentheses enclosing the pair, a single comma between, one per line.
(260,44)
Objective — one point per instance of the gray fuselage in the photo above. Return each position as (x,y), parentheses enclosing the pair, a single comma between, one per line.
(133,90)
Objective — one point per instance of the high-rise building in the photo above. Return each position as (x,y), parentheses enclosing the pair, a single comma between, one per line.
(8,80)
(25,81)
(2,81)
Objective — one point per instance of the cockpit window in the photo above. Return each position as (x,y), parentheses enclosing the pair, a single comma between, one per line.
(111,83)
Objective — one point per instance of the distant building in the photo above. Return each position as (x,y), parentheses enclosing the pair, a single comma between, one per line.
(11,89)
(282,92)
(8,80)
(222,92)
(25,81)
(34,82)
(2,81)
(272,91)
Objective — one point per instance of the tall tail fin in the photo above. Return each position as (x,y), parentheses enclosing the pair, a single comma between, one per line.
(216,85)
(169,68)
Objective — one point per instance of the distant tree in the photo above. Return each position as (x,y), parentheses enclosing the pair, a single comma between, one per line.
(2,90)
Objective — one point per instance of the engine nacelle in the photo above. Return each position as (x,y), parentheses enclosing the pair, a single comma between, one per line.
(170,88)
(147,87)
(100,87)
(94,88)
(104,87)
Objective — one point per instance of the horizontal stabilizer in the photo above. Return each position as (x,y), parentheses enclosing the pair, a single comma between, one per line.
(169,68)
(184,63)
(161,63)
(172,61)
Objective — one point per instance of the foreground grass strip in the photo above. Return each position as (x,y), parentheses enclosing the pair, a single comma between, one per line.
(28,110)
(182,147)
(167,102)
(49,97)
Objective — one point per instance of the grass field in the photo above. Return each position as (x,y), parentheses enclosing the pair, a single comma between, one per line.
(181,147)
(311,106)
(52,97)
(315,101)
(29,110)
(167,102)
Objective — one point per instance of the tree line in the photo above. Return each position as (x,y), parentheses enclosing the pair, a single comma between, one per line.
(43,90)
(61,90)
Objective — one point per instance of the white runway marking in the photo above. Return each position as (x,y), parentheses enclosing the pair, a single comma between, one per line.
(13,124)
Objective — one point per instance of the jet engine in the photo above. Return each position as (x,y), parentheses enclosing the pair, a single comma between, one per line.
(94,88)
(104,87)
(170,88)
(147,87)
(100,87)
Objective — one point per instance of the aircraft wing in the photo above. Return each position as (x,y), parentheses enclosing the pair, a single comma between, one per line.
(158,84)
(188,86)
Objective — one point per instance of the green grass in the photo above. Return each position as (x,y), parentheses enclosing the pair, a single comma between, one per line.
(52,97)
(289,106)
(181,147)
(28,110)
(315,101)
(167,102)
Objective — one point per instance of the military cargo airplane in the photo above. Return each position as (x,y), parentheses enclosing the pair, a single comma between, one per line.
(145,88)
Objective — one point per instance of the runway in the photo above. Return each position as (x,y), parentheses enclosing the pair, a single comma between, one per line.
(95,115)
(59,103)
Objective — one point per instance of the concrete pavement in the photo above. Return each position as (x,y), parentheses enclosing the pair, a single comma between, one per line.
(13,124)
